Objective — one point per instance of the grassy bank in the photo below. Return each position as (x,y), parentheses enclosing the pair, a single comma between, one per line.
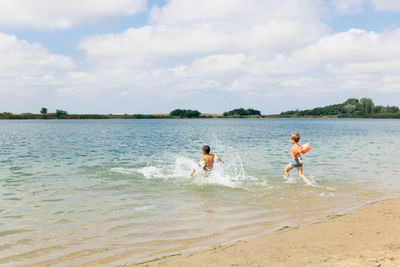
(52,116)
(351,108)
(363,116)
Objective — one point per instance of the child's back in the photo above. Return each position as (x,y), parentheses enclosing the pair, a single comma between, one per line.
(207,161)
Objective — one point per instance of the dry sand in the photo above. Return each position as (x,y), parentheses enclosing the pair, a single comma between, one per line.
(369,236)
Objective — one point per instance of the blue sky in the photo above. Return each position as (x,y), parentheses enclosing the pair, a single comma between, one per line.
(152,56)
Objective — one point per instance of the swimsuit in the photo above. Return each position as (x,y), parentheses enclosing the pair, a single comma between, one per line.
(296,150)
(296,163)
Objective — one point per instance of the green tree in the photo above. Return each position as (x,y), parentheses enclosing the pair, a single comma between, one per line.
(60,114)
(43,111)
(185,113)
(378,109)
(367,104)
(243,112)
(353,107)
(392,109)
(349,108)
(352,101)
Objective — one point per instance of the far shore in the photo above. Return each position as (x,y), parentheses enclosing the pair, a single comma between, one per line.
(352,108)
(368,236)
(51,116)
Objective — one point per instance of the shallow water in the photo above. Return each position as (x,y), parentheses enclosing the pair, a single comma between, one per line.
(109,192)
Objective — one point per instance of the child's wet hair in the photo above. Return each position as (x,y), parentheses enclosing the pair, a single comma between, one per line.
(206,149)
(295,137)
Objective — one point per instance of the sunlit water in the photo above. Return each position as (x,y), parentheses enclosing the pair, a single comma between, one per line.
(110,192)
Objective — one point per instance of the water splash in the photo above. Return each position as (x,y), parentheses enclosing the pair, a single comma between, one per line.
(231,173)
(297,180)
(151,171)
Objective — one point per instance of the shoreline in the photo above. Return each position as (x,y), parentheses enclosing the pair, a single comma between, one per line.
(150,117)
(367,235)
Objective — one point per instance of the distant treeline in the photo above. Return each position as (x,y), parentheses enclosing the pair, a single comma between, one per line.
(61,114)
(352,108)
(241,112)
(52,116)
(185,113)
(177,113)
(235,113)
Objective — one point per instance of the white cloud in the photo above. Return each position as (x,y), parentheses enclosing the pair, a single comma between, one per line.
(356,6)
(387,5)
(53,14)
(348,6)
(201,45)
(187,29)
(26,67)
(356,59)
(391,83)
(255,50)
(194,45)
(217,65)
(238,12)
(20,59)
(269,47)
(355,45)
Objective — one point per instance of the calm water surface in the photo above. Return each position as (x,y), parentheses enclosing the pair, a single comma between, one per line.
(110,192)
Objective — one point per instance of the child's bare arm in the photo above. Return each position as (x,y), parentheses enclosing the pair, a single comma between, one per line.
(218,159)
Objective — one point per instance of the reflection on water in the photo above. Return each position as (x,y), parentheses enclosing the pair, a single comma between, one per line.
(117,191)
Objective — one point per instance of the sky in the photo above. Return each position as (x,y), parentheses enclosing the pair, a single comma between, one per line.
(138,56)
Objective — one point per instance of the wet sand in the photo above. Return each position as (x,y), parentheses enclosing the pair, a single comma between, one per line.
(369,236)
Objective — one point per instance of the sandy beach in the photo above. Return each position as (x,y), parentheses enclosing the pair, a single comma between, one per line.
(368,236)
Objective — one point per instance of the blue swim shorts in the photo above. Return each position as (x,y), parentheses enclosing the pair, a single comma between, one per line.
(296,163)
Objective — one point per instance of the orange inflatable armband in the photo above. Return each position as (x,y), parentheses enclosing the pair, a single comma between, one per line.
(305,148)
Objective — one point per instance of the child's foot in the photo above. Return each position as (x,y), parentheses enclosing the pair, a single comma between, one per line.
(307,182)
(287,180)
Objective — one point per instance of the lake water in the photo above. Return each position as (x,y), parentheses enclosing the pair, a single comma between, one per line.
(110,192)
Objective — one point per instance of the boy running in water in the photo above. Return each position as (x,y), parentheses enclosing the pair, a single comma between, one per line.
(296,158)
(207,161)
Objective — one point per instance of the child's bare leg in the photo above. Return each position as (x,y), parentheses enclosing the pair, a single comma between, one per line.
(287,169)
(300,170)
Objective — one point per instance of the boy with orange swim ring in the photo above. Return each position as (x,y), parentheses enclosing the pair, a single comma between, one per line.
(296,158)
